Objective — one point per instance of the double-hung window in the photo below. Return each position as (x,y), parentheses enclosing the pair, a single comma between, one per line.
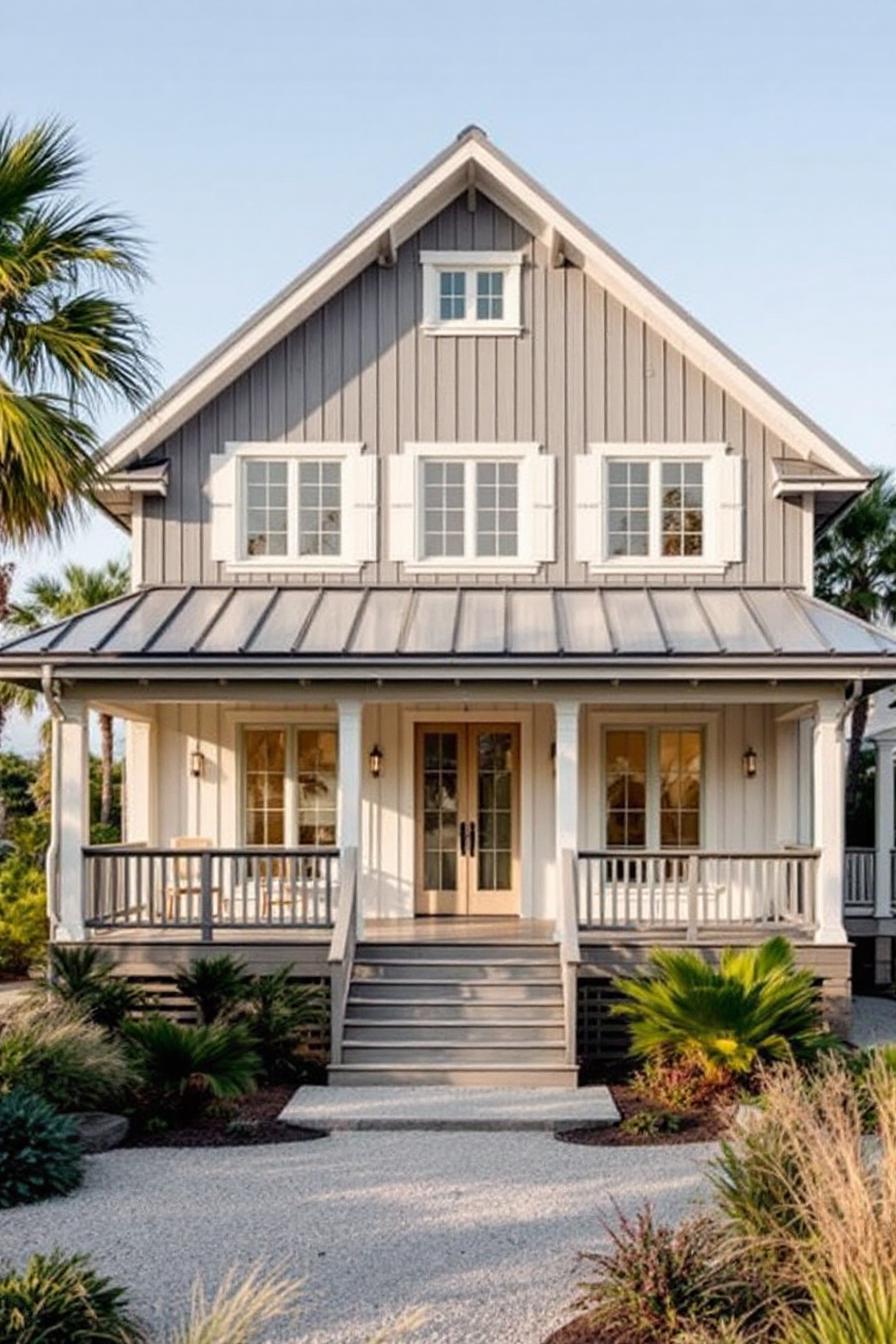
(471,293)
(470,509)
(281,507)
(653,788)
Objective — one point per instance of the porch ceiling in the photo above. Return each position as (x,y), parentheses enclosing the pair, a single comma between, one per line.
(429,625)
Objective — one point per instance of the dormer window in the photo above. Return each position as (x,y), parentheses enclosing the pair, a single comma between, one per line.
(471,293)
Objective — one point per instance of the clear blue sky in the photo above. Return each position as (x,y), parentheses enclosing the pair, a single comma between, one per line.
(741,152)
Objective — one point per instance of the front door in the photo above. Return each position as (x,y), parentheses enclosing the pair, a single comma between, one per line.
(467,831)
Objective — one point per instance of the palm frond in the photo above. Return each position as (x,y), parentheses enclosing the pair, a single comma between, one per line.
(47,469)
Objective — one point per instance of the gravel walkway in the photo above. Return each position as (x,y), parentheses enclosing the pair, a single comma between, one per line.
(482,1230)
(873,1021)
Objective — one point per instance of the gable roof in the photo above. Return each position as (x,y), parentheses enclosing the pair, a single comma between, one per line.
(473,162)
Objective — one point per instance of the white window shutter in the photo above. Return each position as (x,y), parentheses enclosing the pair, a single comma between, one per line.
(544,500)
(222,492)
(359,482)
(588,510)
(730,543)
(402,530)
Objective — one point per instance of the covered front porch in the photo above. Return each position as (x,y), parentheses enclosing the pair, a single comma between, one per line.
(615,813)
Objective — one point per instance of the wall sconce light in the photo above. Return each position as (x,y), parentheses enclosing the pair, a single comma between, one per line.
(375,761)
(197,763)
(750,762)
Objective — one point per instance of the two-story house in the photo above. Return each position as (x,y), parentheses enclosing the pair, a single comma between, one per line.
(472,647)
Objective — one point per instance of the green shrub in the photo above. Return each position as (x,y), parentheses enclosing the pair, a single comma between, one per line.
(279,1014)
(23,914)
(183,1068)
(652,1122)
(85,976)
(60,1299)
(755,1007)
(657,1283)
(214,984)
(54,1050)
(40,1154)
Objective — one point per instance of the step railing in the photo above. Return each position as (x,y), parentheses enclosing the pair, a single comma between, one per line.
(139,887)
(341,957)
(719,890)
(570,953)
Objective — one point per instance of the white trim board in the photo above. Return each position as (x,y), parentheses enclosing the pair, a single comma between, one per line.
(472,160)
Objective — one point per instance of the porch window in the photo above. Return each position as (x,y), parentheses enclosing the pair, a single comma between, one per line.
(290,786)
(470,509)
(653,788)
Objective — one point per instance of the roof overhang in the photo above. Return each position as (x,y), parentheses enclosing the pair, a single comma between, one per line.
(118,489)
(473,163)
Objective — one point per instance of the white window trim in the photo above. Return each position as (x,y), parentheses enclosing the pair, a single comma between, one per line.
(292,562)
(706,722)
(707,563)
(509,263)
(524,454)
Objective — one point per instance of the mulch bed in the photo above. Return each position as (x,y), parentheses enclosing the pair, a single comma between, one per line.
(252,1120)
(697,1127)
(576,1331)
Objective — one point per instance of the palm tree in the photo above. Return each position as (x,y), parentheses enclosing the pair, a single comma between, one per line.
(68,341)
(52,598)
(855,568)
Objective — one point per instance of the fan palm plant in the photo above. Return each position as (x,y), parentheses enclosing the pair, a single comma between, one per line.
(279,1013)
(214,984)
(68,338)
(756,1006)
(855,568)
(50,598)
(185,1067)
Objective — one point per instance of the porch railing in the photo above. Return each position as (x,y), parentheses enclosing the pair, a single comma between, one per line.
(626,889)
(132,886)
(859,878)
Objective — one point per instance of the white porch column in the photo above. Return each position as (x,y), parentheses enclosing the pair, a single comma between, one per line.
(884,825)
(140,792)
(349,784)
(828,768)
(69,823)
(566,786)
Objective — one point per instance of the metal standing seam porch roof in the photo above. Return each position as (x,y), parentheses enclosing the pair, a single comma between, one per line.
(429,625)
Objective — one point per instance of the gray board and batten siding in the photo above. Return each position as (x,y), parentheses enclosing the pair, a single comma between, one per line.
(585,370)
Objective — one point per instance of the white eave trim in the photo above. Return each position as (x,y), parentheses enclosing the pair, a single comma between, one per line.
(819,485)
(473,160)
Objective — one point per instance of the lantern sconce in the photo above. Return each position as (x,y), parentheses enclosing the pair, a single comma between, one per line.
(197,762)
(750,763)
(375,761)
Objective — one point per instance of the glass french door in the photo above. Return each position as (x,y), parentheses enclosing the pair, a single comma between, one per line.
(467,825)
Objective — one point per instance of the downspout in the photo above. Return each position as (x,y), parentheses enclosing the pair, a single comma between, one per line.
(50,689)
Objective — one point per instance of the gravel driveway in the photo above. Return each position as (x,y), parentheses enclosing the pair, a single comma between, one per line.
(482,1230)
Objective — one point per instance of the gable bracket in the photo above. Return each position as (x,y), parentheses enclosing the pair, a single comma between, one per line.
(387,250)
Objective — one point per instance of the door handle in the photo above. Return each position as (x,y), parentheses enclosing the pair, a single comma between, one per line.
(463,837)
(472,839)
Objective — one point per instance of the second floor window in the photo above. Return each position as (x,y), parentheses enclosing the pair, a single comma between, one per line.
(471,293)
(654,508)
(470,509)
(292,508)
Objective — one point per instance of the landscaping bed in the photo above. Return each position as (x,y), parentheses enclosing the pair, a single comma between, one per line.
(244,1122)
(698,1126)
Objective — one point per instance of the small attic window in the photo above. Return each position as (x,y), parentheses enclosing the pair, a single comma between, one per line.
(471,293)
